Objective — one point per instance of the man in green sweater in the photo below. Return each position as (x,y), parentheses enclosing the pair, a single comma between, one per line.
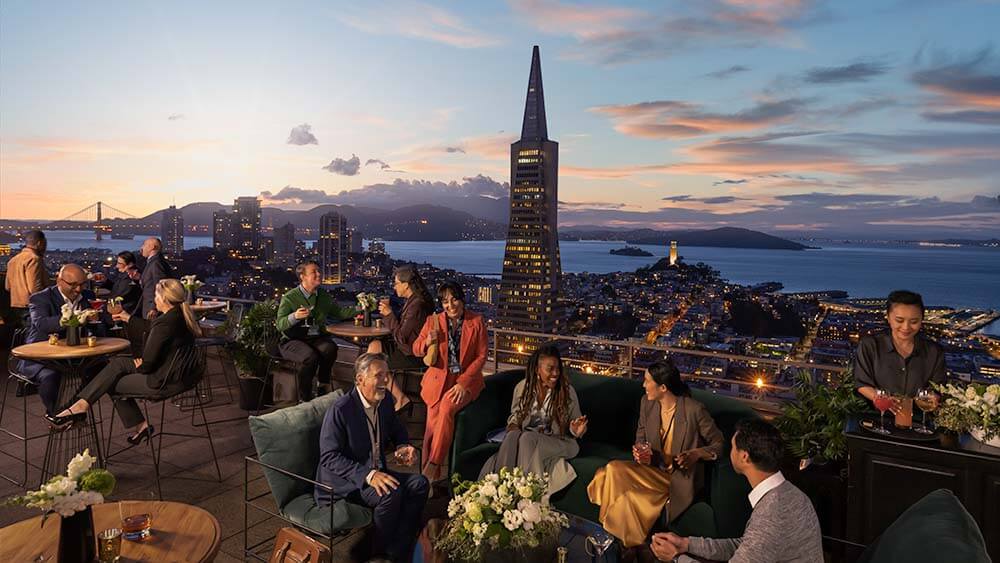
(301,321)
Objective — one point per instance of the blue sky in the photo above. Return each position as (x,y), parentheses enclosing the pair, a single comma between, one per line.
(789,116)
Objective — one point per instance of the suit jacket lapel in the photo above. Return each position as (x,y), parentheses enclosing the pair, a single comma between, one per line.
(466,341)
(358,421)
(680,427)
(653,424)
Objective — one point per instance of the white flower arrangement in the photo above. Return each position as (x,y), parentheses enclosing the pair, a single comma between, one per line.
(367,302)
(974,407)
(82,486)
(191,283)
(504,510)
(75,317)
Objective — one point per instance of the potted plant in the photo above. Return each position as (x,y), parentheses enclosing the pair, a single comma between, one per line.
(73,319)
(191,284)
(813,424)
(503,517)
(974,408)
(255,335)
(71,496)
(367,304)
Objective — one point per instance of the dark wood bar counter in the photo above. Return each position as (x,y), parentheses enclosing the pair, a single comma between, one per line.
(887,474)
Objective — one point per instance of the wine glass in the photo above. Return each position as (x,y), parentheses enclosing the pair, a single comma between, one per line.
(307,322)
(927,401)
(883,402)
(115,307)
(600,541)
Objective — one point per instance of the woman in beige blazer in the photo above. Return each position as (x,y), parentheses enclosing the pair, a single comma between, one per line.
(674,434)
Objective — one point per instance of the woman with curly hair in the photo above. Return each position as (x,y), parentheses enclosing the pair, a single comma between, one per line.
(544,422)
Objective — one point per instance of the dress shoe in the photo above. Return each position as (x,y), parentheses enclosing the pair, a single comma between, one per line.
(59,421)
(145,434)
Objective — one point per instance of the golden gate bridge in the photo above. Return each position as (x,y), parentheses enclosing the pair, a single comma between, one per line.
(99,217)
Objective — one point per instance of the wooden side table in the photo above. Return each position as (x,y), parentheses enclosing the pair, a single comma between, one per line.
(181,533)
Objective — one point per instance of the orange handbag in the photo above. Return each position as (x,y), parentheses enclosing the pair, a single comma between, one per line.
(292,546)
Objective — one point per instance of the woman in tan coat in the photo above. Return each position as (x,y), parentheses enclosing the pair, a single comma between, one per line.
(674,434)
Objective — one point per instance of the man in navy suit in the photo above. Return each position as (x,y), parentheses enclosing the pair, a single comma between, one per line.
(156,269)
(357,430)
(45,310)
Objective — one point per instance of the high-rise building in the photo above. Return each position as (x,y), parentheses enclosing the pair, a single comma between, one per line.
(284,246)
(486,294)
(354,239)
(172,232)
(333,247)
(246,228)
(673,252)
(529,285)
(222,231)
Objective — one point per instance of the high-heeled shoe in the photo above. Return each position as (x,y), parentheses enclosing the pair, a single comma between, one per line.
(144,434)
(70,418)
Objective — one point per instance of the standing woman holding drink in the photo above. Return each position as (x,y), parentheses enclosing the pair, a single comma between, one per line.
(458,339)
(405,327)
(900,361)
(674,434)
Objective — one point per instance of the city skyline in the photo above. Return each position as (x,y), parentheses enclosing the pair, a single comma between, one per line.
(791,117)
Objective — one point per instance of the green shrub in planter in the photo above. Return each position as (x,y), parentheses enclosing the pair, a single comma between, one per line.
(813,424)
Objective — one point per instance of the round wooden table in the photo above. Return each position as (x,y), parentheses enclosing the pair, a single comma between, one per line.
(357,333)
(72,363)
(181,533)
(44,352)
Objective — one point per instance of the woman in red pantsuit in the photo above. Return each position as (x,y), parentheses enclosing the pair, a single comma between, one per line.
(456,378)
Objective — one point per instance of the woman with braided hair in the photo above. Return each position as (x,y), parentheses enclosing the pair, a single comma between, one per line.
(544,422)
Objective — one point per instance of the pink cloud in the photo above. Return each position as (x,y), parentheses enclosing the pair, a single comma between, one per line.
(668,119)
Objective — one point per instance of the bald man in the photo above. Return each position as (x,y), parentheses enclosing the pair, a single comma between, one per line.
(157,268)
(45,310)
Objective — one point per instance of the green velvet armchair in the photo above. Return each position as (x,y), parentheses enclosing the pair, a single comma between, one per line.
(287,444)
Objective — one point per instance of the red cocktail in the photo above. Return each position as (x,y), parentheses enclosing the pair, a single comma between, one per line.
(883,402)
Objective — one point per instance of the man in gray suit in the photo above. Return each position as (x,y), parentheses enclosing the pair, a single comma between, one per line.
(783,527)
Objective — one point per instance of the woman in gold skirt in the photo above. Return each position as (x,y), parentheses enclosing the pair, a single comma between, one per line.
(674,433)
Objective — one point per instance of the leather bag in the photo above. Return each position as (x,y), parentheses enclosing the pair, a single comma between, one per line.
(292,546)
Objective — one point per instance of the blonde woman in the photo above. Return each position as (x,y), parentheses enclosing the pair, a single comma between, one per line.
(170,336)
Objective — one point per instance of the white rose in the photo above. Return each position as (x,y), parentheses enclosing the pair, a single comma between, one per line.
(512,519)
(990,398)
(493,478)
(80,464)
(488,490)
(59,487)
(525,491)
(530,511)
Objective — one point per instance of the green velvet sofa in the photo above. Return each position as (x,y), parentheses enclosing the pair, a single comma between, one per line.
(287,444)
(721,509)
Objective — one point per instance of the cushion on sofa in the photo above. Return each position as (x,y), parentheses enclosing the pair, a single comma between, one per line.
(935,528)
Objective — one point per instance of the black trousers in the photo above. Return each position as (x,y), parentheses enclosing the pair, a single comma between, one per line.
(120,376)
(315,356)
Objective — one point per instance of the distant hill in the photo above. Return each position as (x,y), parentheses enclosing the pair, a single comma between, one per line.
(725,237)
(427,222)
(416,222)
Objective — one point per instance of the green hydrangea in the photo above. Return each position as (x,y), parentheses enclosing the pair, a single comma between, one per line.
(98,480)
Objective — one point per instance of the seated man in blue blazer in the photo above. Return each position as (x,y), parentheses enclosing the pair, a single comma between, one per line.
(45,310)
(357,430)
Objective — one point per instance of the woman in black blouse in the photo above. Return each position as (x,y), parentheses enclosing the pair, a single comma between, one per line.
(405,328)
(161,371)
(901,361)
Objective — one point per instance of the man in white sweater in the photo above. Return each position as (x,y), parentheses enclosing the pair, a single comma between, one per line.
(783,527)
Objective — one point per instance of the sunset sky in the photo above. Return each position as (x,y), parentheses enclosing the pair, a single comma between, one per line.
(790,116)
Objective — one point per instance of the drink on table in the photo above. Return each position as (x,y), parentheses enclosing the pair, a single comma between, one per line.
(904,411)
(883,402)
(137,527)
(926,401)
